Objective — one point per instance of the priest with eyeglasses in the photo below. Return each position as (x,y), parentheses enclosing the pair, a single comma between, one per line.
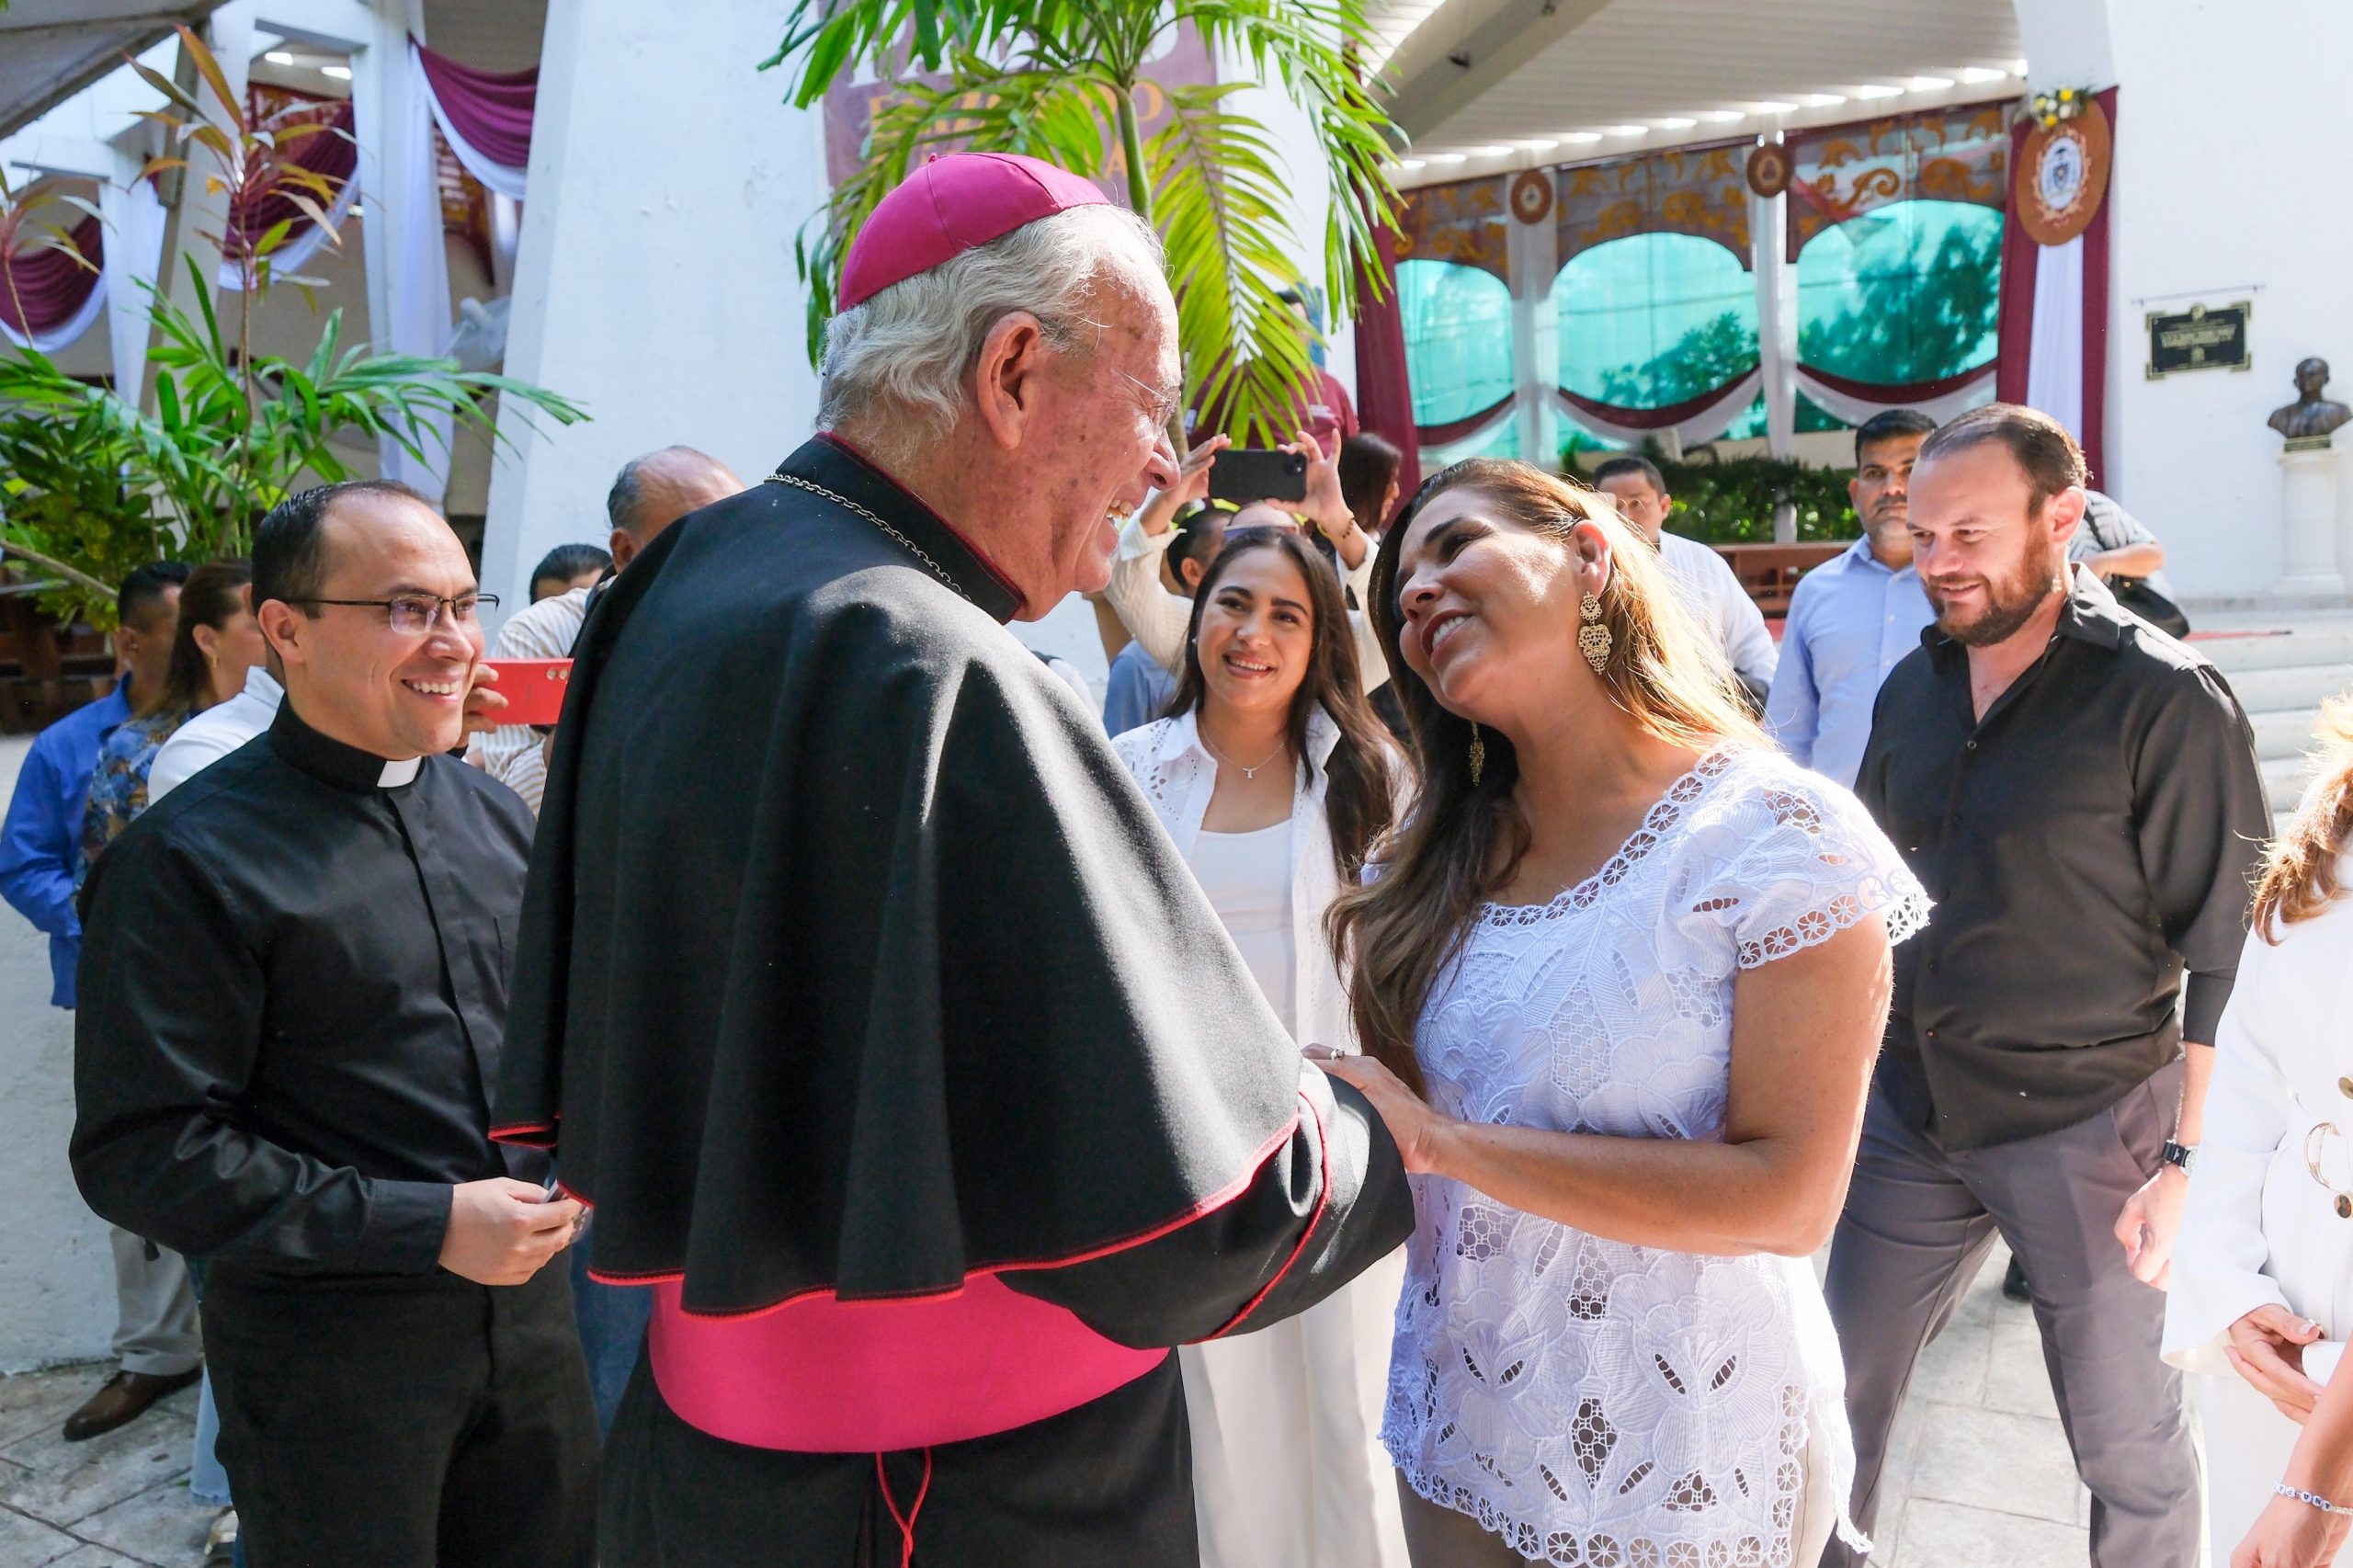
(294,995)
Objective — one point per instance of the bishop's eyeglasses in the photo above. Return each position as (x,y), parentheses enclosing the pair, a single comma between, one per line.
(414,615)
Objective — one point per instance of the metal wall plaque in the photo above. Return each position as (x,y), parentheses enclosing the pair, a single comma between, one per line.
(2204,337)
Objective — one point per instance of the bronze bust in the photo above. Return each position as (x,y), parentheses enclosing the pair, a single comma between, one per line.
(2311,417)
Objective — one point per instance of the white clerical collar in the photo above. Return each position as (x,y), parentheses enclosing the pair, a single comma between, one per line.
(396,774)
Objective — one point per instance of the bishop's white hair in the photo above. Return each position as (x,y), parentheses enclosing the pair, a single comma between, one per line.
(908,347)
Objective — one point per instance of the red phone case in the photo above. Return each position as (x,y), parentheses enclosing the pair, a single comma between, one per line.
(534,689)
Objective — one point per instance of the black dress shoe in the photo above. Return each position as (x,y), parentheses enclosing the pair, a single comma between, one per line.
(2014,1283)
(123,1399)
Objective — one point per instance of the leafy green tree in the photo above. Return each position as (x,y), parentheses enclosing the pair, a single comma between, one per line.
(1720,349)
(1062,80)
(1915,321)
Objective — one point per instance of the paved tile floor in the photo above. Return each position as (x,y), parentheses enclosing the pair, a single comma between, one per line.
(1981,1474)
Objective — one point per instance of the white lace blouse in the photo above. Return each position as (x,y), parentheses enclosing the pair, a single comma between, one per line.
(1590,1402)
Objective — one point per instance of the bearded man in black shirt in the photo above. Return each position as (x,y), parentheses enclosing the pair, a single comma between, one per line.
(294,995)
(2079,794)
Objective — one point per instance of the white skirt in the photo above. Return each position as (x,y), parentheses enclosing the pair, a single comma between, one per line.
(1287,1466)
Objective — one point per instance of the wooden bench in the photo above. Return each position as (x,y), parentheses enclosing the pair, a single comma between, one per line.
(1770,572)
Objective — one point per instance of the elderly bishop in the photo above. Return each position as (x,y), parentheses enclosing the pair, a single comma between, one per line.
(857,989)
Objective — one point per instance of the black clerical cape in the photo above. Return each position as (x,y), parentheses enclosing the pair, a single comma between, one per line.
(855,969)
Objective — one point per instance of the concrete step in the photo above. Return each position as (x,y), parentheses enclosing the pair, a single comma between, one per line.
(2292,688)
(2287,732)
(2327,644)
(2283,781)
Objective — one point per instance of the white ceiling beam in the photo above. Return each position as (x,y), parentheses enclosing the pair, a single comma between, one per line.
(1432,90)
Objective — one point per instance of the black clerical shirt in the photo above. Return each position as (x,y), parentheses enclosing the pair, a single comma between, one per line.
(2088,841)
(296,973)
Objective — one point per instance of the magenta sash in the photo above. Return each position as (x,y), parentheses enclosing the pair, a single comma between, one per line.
(820,1375)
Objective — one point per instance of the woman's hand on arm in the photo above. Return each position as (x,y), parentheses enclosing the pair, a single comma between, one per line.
(1806,1029)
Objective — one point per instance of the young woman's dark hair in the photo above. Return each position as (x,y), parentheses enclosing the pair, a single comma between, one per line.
(211,596)
(1369,467)
(1360,791)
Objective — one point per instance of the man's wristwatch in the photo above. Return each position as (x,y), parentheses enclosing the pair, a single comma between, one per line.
(2175,1154)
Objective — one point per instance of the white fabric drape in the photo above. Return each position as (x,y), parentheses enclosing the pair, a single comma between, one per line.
(1710,422)
(1855,410)
(2054,377)
(1435,456)
(420,267)
(64,332)
(300,247)
(134,262)
(503,179)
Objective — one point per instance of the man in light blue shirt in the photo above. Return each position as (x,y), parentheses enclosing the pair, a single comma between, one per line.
(1854,616)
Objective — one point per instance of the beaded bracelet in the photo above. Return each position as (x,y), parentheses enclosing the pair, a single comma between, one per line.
(2323,1504)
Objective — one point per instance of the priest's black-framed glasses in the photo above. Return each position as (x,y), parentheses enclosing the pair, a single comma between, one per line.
(413,614)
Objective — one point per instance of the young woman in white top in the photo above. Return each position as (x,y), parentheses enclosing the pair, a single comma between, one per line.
(1274,778)
(2261,1295)
(1621,981)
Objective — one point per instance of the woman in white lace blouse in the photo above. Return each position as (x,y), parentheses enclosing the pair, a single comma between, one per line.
(1620,982)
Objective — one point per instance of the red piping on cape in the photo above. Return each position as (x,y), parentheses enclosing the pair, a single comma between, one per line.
(1209,1204)
(954,531)
(908,1525)
(1322,1199)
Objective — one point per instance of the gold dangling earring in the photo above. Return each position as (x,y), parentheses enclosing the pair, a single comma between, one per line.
(1478,755)
(1593,637)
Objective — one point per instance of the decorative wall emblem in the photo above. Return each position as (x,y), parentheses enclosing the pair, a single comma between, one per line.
(2063,175)
(1770,168)
(1531,196)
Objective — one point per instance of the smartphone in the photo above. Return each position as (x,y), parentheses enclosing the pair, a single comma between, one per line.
(534,689)
(1243,474)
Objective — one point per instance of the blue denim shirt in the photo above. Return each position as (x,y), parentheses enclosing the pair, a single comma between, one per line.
(1138,691)
(41,837)
(1850,621)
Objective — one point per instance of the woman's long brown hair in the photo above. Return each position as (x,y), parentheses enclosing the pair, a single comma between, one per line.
(211,596)
(1360,787)
(2300,874)
(1394,934)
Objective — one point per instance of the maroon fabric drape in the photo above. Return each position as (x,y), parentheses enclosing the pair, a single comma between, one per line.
(1898,396)
(50,284)
(490,109)
(1384,390)
(2015,313)
(333,154)
(1651,419)
(2021,258)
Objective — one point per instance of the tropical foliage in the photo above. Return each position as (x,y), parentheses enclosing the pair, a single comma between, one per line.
(1069,82)
(92,484)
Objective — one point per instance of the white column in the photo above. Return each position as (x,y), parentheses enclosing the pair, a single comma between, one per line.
(1777,318)
(134,245)
(654,280)
(229,33)
(400,226)
(2313,543)
(1532,255)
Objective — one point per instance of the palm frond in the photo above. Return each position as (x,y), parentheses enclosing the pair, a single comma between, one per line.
(1218,199)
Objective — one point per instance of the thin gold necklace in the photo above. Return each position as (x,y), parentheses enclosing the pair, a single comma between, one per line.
(1246,772)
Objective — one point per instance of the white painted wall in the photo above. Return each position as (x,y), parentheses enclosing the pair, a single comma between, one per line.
(56,1272)
(2209,202)
(654,283)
